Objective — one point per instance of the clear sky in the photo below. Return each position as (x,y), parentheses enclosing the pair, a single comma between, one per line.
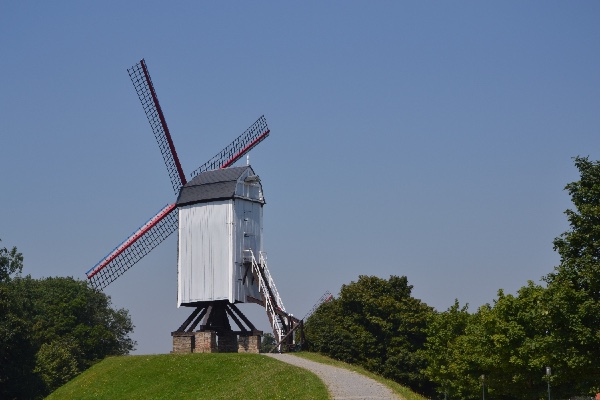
(426,139)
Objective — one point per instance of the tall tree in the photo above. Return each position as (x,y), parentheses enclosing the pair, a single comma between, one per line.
(575,284)
(579,247)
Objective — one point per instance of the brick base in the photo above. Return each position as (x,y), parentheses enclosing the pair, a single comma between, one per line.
(183,342)
(206,342)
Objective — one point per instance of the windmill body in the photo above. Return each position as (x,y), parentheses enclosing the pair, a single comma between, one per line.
(220,226)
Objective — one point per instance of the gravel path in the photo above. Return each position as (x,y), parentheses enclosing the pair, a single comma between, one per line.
(342,384)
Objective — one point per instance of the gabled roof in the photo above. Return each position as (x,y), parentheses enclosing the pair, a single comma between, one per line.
(219,184)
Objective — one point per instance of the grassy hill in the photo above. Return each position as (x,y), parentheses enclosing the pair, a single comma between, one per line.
(193,376)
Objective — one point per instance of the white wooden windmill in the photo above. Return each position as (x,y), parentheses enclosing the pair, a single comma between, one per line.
(218,216)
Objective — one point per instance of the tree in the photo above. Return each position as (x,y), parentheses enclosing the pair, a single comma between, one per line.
(58,362)
(575,283)
(11,262)
(69,308)
(73,326)
(267,343)
(443,332)
(579,248)
(506,343)
(377,324)
(51,329)
(17,352)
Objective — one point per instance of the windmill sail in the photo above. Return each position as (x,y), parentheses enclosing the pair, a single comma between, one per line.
(257,132)
(140,77)
(134,248)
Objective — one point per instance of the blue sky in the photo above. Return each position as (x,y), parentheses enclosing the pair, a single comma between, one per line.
(431,140)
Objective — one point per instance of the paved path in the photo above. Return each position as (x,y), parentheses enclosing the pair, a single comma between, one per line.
(342,384)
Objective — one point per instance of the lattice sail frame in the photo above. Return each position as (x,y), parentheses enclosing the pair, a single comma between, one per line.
(325,298)
(134,248)
(140,77)
(257,132)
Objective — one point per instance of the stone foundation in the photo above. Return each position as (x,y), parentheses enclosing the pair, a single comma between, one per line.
(183,342)
(249,344)
(206,342)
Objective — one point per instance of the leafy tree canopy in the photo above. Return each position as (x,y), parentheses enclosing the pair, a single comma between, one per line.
(11,262)
(575,284)
(52,329)
(377,324)
(579,248)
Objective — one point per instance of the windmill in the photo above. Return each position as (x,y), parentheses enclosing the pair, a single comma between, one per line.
(218,217)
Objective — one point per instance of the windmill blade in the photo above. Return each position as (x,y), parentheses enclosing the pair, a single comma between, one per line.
(140,77)
(134,248)
(236,149)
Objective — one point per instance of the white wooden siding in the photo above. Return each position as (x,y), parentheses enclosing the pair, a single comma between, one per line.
(205,249)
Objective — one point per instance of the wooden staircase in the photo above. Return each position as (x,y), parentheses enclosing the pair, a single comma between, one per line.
(282,322)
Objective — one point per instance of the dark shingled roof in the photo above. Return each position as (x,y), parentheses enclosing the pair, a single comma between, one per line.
(213,185)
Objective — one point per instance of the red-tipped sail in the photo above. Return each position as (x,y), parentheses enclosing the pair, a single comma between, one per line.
(236,149)
(134,248)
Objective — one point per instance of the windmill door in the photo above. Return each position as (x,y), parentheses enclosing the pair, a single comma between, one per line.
(251,227)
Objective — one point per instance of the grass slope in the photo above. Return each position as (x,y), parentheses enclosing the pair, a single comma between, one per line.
(402,391)
(193,376)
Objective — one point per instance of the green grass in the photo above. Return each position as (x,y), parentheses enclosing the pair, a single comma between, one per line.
(193,376)
(402,391)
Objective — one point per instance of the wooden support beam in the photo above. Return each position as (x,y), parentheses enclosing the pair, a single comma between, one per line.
(244,318)
(235,319)
(185,324)
(198,319)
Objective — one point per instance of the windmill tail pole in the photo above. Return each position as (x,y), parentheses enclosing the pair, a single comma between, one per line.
(298,324)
